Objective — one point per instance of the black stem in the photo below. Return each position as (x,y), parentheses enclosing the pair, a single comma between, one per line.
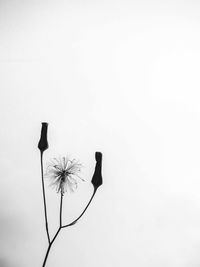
(61,201)
(72,223)
(49,247)
(44,199)
(51,243)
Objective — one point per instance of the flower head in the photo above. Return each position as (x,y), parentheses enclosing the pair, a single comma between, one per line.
(63,173)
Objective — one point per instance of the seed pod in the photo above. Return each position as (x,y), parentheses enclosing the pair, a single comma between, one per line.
(43,143)
(97,176)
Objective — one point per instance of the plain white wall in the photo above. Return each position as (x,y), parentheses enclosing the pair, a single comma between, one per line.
(121,77)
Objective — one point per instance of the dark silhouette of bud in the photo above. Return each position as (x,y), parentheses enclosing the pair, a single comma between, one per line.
(43,143)
(97,176)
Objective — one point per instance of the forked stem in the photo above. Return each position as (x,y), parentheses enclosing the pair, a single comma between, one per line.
(49,247)
(60,227)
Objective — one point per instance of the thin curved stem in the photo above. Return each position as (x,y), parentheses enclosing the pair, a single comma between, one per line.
(72,223)
(44,198)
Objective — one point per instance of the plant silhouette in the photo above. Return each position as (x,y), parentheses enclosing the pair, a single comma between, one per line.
(64,174)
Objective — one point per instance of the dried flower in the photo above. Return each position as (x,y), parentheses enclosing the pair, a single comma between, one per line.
(97,176)
(63,173)
(43,143)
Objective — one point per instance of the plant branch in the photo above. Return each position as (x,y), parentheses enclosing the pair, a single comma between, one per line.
(61,201)
(44,198)
(49,247)
(72,223)
(60,227)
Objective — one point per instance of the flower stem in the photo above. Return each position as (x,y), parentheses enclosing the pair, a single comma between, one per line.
(60,227)
(44,198)
(49,247)
(61,201)
(72,223)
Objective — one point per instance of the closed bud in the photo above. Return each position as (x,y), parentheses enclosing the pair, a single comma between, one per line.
(97,176)
(43,143)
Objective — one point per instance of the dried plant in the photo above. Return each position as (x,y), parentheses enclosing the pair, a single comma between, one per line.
(63,174)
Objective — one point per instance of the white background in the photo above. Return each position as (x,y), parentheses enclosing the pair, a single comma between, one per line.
(121,77)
